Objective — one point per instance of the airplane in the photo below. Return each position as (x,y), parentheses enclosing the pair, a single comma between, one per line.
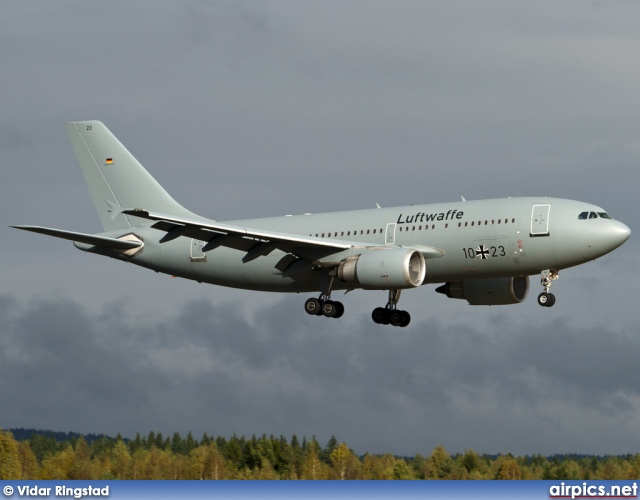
(480,251)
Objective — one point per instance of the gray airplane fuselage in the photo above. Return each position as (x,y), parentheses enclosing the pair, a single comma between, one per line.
(480,240)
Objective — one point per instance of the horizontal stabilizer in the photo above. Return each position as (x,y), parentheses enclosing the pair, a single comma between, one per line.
(89,239)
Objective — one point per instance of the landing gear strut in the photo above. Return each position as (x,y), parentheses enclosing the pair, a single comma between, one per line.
(324,306)
(547,299)
(389,315)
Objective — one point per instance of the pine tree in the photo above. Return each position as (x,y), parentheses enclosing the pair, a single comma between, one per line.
(150,441)
(159,442)
(189,443)
(136,444)
(177,444)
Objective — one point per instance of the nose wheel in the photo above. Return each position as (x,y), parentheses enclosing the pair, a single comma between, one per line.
(546,298)
(390,315)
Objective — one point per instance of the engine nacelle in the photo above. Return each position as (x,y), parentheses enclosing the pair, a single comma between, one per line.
(384,269)
(492,292)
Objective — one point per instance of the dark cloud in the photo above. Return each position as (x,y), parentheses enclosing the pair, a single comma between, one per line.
(205,368)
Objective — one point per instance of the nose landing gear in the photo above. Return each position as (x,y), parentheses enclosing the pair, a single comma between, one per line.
(547,299)
(389,315)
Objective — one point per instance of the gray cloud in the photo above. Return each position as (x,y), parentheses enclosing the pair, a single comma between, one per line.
(205,368)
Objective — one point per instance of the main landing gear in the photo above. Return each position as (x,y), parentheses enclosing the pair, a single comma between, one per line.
(389,315)
(324,306)
(547,299)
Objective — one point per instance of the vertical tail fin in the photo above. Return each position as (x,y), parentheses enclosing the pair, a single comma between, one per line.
(115,178)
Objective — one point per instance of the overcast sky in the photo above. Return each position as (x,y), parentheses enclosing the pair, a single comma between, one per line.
(242,109)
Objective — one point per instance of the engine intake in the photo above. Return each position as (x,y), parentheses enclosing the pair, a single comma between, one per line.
(384,269)
(494,292)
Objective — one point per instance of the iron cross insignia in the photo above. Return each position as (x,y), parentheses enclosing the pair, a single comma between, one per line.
(482,252)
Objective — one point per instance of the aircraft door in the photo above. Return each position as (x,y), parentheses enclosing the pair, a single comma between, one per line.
(540,220)
(197,255)
(390,234)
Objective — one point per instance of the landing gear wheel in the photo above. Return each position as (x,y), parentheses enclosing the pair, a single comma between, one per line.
(546,299)
(313,307)
(329,309)
(400,318)
(405,319)
(381,316)
(395,318)
(340,309)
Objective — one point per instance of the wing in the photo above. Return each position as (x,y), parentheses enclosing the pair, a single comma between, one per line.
(256,242)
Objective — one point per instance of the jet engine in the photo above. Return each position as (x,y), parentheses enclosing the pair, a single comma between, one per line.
(493,292)
(384,269)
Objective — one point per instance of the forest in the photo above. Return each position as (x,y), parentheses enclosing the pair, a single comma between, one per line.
(44,455)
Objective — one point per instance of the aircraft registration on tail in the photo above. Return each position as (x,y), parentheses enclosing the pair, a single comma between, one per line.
(480,251)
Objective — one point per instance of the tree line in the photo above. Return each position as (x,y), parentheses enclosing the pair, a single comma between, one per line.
(158,457)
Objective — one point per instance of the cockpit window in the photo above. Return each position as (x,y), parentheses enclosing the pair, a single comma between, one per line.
(594,215)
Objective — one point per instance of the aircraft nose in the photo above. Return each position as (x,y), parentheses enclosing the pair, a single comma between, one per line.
(601,237)
(618,233)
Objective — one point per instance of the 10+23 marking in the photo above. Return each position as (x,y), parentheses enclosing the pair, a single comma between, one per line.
(484,252)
